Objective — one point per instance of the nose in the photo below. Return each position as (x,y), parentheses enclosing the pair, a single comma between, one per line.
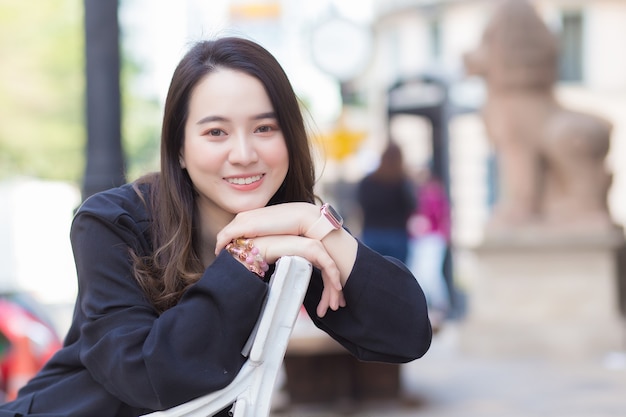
(243,151)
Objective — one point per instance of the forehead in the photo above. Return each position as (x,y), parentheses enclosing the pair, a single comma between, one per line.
(229,90)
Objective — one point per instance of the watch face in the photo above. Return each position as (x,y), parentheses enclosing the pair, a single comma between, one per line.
(333,216)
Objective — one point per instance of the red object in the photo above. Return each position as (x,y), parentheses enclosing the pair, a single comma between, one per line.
(28,341)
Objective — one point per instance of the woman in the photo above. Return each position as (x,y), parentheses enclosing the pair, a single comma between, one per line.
(387,200)
(165,301)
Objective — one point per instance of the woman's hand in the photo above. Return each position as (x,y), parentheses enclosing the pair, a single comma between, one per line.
(271,248)
(277,231)
(280,219)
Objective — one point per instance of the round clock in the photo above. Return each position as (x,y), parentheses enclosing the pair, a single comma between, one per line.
(341,48)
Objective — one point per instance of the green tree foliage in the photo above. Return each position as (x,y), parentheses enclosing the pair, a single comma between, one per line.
(141,120)
(42,95)
(41,89)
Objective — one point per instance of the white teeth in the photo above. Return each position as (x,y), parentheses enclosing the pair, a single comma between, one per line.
(246,180)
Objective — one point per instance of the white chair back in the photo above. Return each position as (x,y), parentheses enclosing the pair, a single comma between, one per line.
(251,390)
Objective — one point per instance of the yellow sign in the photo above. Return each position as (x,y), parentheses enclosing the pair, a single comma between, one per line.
(342,142)
(254,10)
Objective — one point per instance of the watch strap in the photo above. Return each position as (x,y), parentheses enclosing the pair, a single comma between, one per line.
(320,228)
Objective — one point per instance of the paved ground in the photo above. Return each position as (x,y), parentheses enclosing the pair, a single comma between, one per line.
(449,383)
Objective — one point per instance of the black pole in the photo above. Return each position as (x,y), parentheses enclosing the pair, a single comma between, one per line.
(439,115)
(440,146)
(105,162)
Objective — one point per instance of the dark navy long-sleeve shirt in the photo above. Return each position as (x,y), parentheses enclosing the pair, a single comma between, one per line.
(122,358)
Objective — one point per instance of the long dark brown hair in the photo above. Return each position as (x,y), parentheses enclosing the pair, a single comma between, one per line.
(175,263)
(391,167)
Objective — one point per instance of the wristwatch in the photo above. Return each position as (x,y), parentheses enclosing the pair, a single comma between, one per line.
(328,221)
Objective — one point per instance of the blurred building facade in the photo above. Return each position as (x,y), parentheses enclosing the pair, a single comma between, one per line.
(413,38)
(425,37)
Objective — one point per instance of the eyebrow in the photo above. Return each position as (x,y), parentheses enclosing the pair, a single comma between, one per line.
(209,119)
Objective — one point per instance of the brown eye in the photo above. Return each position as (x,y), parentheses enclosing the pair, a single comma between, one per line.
(215,132)
(267,129)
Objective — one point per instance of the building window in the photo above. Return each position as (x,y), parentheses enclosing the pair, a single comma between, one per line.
(571,54)
(434,28)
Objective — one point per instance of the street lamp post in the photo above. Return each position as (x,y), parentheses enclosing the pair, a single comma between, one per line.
(105,162)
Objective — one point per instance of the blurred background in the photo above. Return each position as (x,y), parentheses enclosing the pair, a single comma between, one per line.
(82,85)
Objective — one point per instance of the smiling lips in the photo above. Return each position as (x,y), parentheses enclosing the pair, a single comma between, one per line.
(244,180)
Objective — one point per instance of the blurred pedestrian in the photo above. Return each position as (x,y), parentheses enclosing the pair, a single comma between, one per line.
(429,230)
(387,200)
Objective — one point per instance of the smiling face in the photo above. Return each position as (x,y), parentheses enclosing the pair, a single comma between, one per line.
(234,150)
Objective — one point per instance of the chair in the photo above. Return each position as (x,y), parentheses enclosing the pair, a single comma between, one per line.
(251,390)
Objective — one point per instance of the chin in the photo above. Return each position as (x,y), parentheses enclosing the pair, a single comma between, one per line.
(249,206)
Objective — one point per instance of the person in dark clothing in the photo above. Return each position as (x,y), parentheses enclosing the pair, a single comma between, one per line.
(173,268)
(387,200)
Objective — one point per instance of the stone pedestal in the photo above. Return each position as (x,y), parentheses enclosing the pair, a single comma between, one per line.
(557,296)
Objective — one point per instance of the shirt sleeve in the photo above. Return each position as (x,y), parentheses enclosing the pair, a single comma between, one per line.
(149,360)
(385,318)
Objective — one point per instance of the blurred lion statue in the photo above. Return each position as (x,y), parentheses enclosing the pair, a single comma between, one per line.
(550,160)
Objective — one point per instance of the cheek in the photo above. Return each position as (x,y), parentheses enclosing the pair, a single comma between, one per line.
(278,157)
(201,156)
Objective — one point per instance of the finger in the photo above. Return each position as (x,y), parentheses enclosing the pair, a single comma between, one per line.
(322,306)
(331,275)
(273,247)
(330,299)
(342,300)
(230,232)
(243,224)
(310,249)
(333,297)
(278,219)
(332,293)
(223,238)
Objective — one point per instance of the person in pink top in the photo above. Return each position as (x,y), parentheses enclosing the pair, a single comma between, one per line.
(430,232)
